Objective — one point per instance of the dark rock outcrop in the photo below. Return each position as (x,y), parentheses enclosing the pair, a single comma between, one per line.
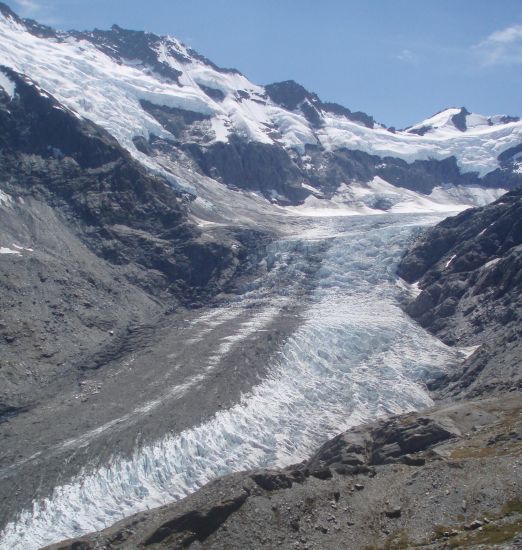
(196,524)
(469,269)
(383,442)
(459,120)
(251,165)
(355,116)
(122,45)
(185,126)
(291,95)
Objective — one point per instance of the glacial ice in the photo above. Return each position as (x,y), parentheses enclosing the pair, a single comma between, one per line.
(356,356)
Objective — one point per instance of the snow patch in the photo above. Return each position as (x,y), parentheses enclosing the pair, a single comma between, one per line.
(7,84)
(467,352)
(448,263)
(491,263)
(313,190)
(16,250)
(439,121)
(5,199)
(412,289)
(5,250)
(18,247)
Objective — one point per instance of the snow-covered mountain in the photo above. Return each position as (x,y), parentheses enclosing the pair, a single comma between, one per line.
(172,307)
(180,115)
(451,121)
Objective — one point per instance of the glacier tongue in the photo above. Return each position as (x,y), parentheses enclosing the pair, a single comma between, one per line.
(356,356)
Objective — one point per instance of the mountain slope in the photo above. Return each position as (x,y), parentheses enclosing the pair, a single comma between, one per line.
(468,270)
(91,242)
(161,100)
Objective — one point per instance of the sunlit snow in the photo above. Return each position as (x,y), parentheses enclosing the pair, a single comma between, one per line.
(97,87)
(5,199)
(7,84)
(378,195)
(7,250)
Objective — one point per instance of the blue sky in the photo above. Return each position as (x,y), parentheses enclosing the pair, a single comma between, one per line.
(399,60)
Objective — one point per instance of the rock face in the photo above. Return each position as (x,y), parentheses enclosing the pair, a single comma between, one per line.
(291,95)
(98,245)
(469,271)
(126,214)
(384,442)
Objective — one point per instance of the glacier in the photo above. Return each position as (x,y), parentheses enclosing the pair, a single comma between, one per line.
(356,356)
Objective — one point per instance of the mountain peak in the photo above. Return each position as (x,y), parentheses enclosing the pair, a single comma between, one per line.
(458,119)
(289,94)
(6,11)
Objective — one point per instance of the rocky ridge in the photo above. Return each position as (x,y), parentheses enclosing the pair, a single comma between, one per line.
(468,270)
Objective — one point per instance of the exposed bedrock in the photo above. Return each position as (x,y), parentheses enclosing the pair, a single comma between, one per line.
(469,271)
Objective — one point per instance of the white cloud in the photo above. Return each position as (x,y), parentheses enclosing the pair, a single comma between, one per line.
(407,56)
(28,8)
(502,47)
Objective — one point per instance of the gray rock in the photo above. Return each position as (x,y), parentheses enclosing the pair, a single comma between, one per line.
(393,513)
(469,270)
